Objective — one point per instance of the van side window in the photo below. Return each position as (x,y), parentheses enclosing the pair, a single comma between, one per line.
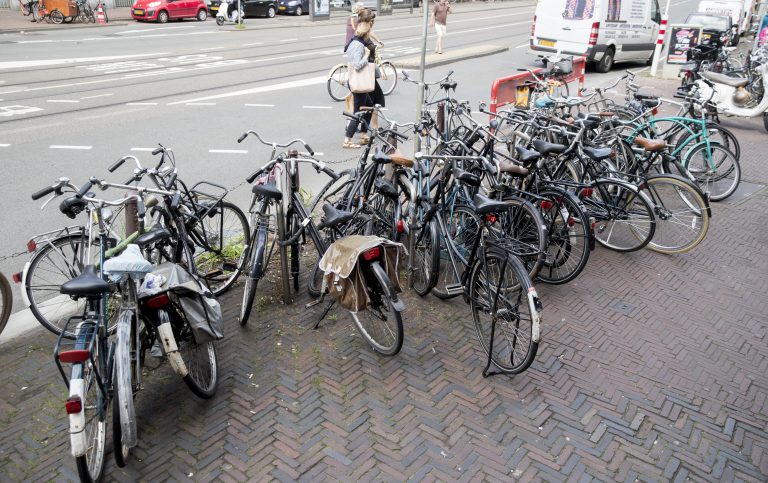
(655,14)
(614,11)
(579,9)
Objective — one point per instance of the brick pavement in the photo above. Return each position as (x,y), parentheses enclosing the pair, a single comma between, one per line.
(651,368)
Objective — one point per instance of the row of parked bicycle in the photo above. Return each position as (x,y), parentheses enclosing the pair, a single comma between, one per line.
(482,212)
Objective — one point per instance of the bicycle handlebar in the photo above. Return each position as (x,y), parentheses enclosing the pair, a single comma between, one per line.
(274,144)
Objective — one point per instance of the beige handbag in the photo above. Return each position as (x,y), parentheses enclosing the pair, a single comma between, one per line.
(364,80)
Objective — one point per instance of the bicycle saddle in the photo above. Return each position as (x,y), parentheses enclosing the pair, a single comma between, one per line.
(651,145)
(131,261)
(72,206)
(466,177)
(724,79)
(401,160)
(87,284)
(527,156)
(154,235)
(598,154)
(449,85)
(381,158)
(334,217)
(386,187)
(512,169)
(485,205)
(546,148)
(268,190)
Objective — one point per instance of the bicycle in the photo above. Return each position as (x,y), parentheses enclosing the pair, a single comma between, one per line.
(6,301)
(33,8)
(338,78)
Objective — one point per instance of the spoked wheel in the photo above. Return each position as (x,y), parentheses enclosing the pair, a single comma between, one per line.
(625,219)
(523,233)
(93,437)
(336,192)
(716,170)
(56,16)
(259,254)
(202,364)
(388,79)
(220,239)
(682,214)
(568,229)
(499,290)
(381,323)
(426,258)
(463,226)
(124,429)
(338,83)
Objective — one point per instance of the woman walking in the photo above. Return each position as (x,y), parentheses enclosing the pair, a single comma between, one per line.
(360,51)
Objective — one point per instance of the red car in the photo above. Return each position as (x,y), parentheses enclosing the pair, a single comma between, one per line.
(164,10)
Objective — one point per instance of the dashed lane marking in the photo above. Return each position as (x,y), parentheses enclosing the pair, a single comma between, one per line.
(260,105)
(141,103)
(62,146)
(316,107)
(200,104)
(209,49)
(4,145)
(39,63)
(148,150)
(259,90)
(288,40)
(228,151)
(254,44)
(96,96)
(67,101)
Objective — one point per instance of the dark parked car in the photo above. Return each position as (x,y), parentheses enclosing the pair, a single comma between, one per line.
(293,7)
(716,29)
(252,8)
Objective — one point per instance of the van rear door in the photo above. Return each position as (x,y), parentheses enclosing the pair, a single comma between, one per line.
(564,25)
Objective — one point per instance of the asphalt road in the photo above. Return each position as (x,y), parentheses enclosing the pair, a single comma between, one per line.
(73,101)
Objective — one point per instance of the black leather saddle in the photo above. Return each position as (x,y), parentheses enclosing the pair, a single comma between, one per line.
(87,284)
(268,190)
(485,205)
(334,217)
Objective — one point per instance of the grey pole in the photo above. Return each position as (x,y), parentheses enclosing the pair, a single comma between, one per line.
(420,92)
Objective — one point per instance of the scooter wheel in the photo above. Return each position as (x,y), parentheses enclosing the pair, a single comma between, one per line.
(219,21)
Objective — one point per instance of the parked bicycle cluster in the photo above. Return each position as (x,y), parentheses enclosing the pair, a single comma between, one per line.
(482,211)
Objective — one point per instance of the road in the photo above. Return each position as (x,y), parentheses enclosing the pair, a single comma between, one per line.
(73,101)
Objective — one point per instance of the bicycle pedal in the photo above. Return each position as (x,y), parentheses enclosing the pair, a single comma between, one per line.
(454,289)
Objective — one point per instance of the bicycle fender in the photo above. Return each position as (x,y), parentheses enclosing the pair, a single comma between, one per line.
(260,244)
(386,284)
(332,69)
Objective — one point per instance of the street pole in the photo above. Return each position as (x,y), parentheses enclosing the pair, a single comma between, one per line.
(420,92)
(660,40)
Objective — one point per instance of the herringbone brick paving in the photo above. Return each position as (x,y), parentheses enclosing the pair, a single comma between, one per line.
(651,368)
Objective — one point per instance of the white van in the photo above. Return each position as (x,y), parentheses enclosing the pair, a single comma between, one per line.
(728,8)
(606,31)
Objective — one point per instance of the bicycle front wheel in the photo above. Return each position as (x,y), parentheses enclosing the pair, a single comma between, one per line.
(124,431)
(259,253)
(463,227)
(568,243)
(682,214)
(503,303)
(625,219)
(388,79)
(338,85)
(381,323)
(715,169)
(6,300)
(202,365)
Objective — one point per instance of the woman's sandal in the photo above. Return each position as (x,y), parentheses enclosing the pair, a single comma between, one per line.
(350,145)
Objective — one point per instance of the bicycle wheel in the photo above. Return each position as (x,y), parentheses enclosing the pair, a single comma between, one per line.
(426,258)
(88,432)
(201,362)
(59,261)
(568,229)
(56,16)
(463,226)
(337,192)
(682,214)
(715,133)
(524,234)
(6,301)
(507,321)
(23,8)
(625,219)
(124,432)
(388,79)
(381,323)
(259,253)
(220,246)
(716,170)
(338,87)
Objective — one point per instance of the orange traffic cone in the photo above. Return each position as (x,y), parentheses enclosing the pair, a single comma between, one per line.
(100,15)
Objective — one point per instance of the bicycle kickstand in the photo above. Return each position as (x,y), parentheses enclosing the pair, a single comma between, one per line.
(486,371)
(325,311)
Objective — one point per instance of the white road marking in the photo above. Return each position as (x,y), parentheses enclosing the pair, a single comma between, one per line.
(62,100)
(143,149)
(228,151)
(524,44)
(258,90)
(61,146)
(16,64)
(254,44)
(211,49)
(319,154)
(316,107)
(8,111)
(99,95)
(141,31)
(288,40)
(4,145)
(260,105)
(68,85)
(11,92)
(200,104)
(333,35)
(141,103)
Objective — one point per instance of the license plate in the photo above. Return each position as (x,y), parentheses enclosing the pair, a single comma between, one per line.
(546,43)
(281,8)
(138,12)
(706,36)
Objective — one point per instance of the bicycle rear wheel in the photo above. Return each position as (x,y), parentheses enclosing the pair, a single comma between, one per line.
(426,258)
(381,323)
(504,311)
(6,300)
(524,234)
(338,85)
(259,253)
(124,429)
(463,226)
(625,218)
(201,362)
(388,79)
(568,243)
(715,169)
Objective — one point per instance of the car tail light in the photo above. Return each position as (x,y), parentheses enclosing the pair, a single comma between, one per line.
(546,205)
(372,254)
(400,226)
(74,405)
(586,192)
(158,301)
(533,27)
(17,277)
(594,33)
(74,356)
(31,246)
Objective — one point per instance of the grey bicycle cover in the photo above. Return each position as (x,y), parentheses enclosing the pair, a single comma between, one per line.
(200,307)
(131,261)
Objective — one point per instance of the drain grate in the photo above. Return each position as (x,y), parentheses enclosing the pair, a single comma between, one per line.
(623,307)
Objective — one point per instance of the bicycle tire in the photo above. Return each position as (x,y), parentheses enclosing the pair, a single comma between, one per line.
(426,255)
(335,192)
(715,133)
(518,354)
(224,257)
(202,366)
(90,465)
(258,254)
(124,428)
(463,226)
(385,338)
(676,211)
(38,285)
(568,243)
(524,234)
(56,16)
(703,174)
(624,207)
(337,85)
(6,301)
(388,79)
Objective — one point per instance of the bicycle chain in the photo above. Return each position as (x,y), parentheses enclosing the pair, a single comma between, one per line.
(13,255)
